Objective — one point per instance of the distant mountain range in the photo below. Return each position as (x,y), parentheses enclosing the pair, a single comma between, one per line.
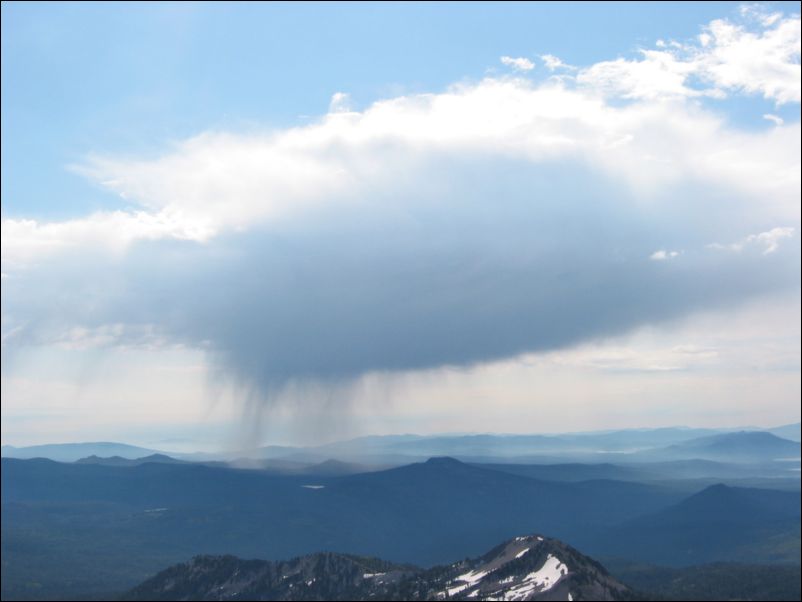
(119,461)
(634,445)
(623,446)
(788,431)
(524,568)
(742,446)
(70,452)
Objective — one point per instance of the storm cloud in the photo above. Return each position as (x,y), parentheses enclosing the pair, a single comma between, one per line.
(505,257)
(493,219)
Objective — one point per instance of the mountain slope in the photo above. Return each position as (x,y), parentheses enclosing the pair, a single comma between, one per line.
(721,523)
(719,581)
(792,432)
(524,568)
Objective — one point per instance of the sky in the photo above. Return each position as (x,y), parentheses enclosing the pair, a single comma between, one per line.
(237,223)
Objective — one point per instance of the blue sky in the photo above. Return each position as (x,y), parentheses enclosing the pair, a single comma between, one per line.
(81,78)
(295,222)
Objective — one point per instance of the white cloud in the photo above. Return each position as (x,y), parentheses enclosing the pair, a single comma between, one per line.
(553,63)
(340,103)
(760,13)
(759,56)
(659,74)
(662,255)
(519,64)
(775,119)
(218,182)
(759,62)
(628,358)
(769,241)
(119,335)
(26,240)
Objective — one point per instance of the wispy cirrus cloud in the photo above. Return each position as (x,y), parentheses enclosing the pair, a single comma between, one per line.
(554,63)
(768,241)
(519,63)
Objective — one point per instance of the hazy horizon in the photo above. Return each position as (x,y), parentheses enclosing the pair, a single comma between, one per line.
(187,445)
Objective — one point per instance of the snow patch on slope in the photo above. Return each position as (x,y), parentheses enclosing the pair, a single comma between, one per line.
(538,581)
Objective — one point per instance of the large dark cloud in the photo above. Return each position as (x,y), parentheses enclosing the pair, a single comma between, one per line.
(478,260)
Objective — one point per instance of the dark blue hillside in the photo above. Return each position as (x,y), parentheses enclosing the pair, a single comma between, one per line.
(121,522)
(719,523)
